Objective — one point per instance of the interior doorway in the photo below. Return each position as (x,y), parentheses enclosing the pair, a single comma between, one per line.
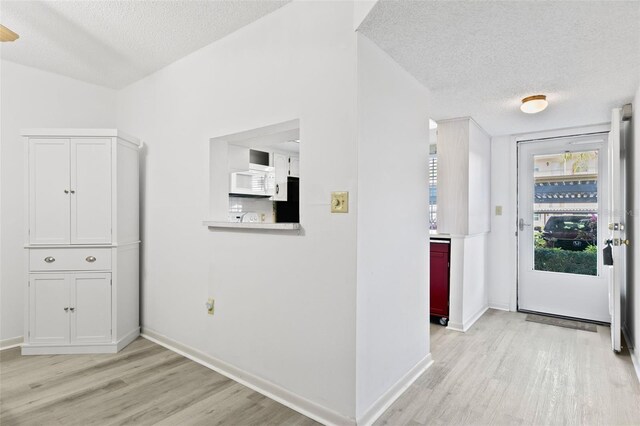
(562,218)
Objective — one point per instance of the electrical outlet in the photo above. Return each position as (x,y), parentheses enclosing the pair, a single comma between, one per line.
(340,202)
(210,305)
(498,210)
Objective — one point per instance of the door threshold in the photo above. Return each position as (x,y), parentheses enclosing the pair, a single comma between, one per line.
(545,314)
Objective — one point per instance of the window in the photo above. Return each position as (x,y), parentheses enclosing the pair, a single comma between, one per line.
(433,191)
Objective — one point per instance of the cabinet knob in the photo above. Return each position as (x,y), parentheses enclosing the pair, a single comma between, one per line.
(73,192)
(66,191)
(72,309)
(49,259)
(66,309)
(90,259)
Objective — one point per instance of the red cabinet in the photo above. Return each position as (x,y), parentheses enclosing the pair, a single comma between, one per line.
(439,279)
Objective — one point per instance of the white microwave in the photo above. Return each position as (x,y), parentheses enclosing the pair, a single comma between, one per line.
(258,181)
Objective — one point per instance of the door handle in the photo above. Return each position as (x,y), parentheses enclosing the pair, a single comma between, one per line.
(521,224)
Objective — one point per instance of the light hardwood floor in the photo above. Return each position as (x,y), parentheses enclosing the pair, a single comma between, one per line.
(508,371)
(503,371)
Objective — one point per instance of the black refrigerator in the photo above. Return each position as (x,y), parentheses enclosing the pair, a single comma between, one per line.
(289,211)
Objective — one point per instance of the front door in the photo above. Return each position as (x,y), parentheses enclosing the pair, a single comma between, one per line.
(562,203)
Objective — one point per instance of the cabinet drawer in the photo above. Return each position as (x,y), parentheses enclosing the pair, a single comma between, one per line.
(70,259)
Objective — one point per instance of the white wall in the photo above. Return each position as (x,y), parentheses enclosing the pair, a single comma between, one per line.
(34,98)
(501,241)
(393,151)
(285,303)
(475,291)
(631,322)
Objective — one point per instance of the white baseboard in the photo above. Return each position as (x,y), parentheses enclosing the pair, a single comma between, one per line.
(128,338)
(302,405)
(10,343)
(634,352)
(500,306)
(389,397)
(469,323)
(455,326)
(464,327)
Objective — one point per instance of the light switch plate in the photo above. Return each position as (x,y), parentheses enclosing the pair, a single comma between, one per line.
(340,202)
(498,210)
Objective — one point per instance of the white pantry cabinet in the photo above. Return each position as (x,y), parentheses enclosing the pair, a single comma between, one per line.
(81,240)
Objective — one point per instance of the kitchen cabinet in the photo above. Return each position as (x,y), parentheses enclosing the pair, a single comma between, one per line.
(439,280)
(81,241)
(70,308)
(464,177)
(294,166)
(281,166)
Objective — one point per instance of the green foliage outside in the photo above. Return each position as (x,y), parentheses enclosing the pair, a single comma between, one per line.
(538,240)
(591,249)
(572,262)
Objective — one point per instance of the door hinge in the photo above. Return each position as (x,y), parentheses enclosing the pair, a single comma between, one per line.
(111,281)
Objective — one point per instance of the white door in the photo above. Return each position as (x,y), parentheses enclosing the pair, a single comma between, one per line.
(616,225)
(281,164)
(49,296)
(562,202)
(90,191)
(91,304)
(49,191)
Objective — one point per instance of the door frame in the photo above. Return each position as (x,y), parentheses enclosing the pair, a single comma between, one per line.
(543,146)
(513,193)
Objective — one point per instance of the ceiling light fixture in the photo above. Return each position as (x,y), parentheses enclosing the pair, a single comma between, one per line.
(7,35)
(534,104)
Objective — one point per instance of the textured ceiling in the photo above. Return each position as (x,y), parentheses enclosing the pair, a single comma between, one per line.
(114,42)
(480,58)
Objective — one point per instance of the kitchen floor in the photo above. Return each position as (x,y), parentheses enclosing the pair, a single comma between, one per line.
(505,370)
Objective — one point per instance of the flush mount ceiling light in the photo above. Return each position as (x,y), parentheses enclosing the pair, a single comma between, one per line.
(534,104)
(7,35)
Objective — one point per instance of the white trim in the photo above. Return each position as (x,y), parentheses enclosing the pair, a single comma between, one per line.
(500,306)
(390,396)
(80,133)
(271,390)
(251,225)
(635,356)
(93,348)
(464,327)
(11,343)
(127,338)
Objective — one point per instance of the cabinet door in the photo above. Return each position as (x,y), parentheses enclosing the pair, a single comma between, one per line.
(294,167)
(91,186)
(281,165)
(49,205)
(91,303)
(49,296)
